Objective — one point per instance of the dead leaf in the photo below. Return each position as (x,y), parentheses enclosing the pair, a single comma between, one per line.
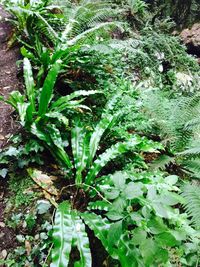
(43,180)
(2,224)
(50,198)
(3,254)
(28,247)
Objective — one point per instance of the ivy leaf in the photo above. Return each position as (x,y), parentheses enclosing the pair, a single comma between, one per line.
(43,206)
(3,172)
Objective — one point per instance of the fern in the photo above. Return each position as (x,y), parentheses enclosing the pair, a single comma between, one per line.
(85,15)
(68,232)
(191,193)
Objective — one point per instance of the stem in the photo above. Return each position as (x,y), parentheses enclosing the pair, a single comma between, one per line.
(92,187)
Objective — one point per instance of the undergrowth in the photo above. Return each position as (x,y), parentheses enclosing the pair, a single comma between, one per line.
(109,140)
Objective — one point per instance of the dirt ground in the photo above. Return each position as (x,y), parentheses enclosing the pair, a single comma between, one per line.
(8,83)
(8,77)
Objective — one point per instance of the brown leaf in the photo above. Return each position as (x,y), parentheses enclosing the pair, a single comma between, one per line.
(43,180)
(3,254)
(28,247)
(50,198)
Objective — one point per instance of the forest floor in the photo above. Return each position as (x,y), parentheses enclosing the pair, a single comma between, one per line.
(8,77)
(8,83)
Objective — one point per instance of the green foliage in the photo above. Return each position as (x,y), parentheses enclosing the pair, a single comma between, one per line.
(192,205)
(37,113)
(30,17)
(121,184)
(20,190)
(69,231)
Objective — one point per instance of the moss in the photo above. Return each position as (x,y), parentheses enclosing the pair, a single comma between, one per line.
(21,189)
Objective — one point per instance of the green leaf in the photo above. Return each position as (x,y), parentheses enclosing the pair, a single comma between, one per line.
(133,190)
(162,255)
(171,180)
(80,142)
(156,226)
(100,226)
(108,155)
(43,206)
(114,215)
(29,82)
(115,233)
(166,239)
(64,102)
(101,127)
(111,193)
(3,172)
(68,232)
(139,236)
(62,236)
(119,180)
(81,241)
(47,90)
(148,250)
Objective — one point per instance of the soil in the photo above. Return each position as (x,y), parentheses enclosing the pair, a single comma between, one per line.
(7,235)
(8,77)
(8,83)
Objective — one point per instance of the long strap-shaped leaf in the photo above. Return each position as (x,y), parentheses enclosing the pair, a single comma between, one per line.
(109,154)
(53,142)
(62,236)
(100,226)
(69,230)
(80,150)
(81,241)
(101,127)
(63,102)
(29,82)
(47,90)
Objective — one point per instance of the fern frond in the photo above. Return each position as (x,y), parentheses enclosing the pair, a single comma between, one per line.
(192,167)
(191,193)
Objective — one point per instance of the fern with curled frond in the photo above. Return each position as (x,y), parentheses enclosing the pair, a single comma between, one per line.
(191,193)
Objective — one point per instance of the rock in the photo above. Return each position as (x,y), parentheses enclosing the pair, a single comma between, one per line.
(191,38)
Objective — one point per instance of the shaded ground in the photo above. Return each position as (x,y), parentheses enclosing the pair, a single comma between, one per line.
(8,77)
(7,235)
(8,82)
